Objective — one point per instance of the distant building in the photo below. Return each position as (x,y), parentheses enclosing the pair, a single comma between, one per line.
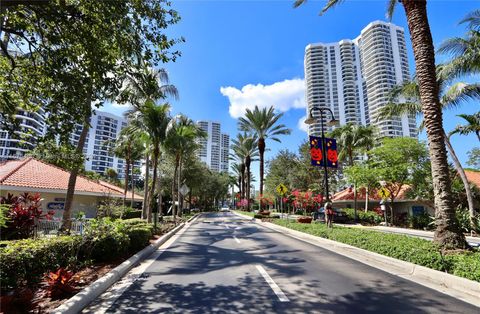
(354,77)
(23,139)
(104,129)
(215,147)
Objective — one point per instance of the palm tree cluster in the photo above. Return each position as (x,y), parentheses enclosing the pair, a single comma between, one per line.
(256,127)
(465,60)
(152,133)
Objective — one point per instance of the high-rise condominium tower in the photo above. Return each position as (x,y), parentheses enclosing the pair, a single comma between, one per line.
(31,127)
(104,130)
(214,149)
(354,78)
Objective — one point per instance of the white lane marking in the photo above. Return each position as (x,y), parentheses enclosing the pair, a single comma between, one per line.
(238,241)
(115,292)
(281,296)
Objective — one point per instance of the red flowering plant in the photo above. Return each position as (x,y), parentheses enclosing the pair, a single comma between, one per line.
(23,213)
(59,283)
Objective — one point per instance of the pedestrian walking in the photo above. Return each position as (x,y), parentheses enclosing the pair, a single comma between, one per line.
(329,214)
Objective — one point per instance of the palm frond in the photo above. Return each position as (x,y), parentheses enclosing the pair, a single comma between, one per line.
(472,19)
(455,46)
(458,93)
(330,4)
(391,9)
(391,110)
(298,3)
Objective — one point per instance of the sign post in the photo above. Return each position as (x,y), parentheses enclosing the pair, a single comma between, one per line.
(282,190)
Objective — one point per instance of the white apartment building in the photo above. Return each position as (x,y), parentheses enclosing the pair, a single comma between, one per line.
(104,130)
(214,150)
(354,77)
(31,127)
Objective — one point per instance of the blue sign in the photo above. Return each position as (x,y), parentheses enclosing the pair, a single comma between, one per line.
(55,206)
(316,153)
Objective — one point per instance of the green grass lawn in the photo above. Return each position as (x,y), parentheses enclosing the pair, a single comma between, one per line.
(251,214)
(415,250)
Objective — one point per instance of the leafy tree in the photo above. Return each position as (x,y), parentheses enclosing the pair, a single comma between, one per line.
(353,139)
(111,175)
(395,162)
(447,233)
(474,158)
(451,96)
(363,176)
(60,155)
(73,63)
(264,124)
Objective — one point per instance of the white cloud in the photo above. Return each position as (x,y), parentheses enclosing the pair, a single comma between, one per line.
(301,124)
(283,96)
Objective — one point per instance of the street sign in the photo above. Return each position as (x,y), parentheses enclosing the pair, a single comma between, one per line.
(282,189)
(384,193)
(184,189)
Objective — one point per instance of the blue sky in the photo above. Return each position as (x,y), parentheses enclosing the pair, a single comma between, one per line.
(237,45)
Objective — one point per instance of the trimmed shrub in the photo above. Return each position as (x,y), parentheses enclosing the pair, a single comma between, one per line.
(414,250)
(258,216)
(27,260)
(105,239)
(139,237)
(369,217)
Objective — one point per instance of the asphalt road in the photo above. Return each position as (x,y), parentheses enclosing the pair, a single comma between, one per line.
(226,264)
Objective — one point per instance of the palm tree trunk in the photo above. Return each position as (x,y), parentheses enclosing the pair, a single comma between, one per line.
(67,213)
(175,174)
(145,186)
(179,183)
(247,165)
(132,183)
(447,233)
(261,151)
(463,176)
(156,154)
(366,198)
(127,172)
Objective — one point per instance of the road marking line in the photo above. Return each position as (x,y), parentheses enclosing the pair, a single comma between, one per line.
(281,296)
(238,241)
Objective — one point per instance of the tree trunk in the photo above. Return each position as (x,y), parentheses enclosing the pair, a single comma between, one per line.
(247,165)
(366,198)
(127,172)
(132,183)
(67,213)
(242,168)
(447,233)
(156,154)
(175,174)
(261,151)
(463,176)
(355,200)
(179,185)
(145,186)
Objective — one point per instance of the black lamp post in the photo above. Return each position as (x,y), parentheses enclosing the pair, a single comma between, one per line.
(310,120)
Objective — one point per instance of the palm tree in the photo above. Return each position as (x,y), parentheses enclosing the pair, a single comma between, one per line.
(472,126)
(353,139)
(153,119)
(465,51)
(263,123)
(145,85)
(182,134)
(245,147)
(451,96)
(447,233)
(236,168)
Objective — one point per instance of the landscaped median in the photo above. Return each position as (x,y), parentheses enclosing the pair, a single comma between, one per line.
(414,250)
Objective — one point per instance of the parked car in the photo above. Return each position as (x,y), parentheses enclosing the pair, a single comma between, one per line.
(340,216)
(225,209)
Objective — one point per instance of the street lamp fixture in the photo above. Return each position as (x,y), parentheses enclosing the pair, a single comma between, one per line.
(333,122)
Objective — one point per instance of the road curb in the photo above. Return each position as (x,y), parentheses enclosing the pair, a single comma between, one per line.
(82,299)
(458,287)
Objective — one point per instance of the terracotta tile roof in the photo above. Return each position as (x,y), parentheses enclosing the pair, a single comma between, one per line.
(347,194)
(35,174)
(473,177)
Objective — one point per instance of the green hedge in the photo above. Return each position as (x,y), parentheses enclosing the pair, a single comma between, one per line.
(369,217)
(25,261)
(415,250)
